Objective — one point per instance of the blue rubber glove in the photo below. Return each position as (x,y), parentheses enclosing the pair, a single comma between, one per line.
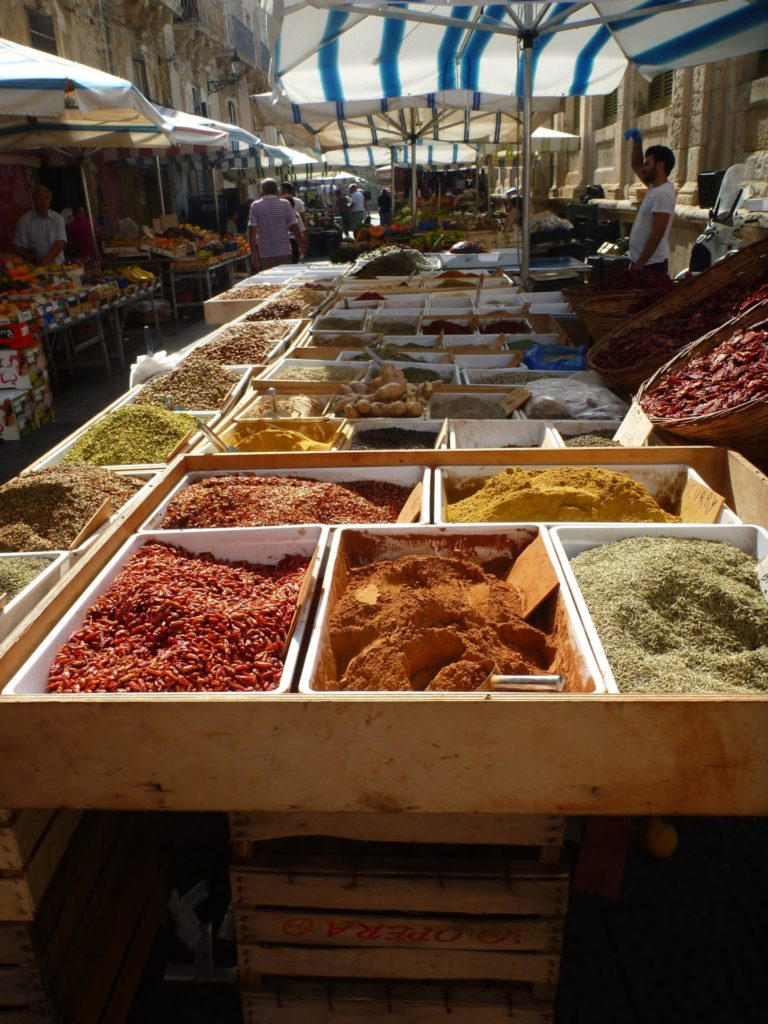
(634,134)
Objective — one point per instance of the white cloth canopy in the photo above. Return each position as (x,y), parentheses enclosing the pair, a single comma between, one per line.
(427,155)
(38,84)
(343,51)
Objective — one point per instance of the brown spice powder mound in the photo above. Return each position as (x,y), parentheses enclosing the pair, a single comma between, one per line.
(425,622)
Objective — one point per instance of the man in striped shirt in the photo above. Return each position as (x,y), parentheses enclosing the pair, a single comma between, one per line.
(270,225)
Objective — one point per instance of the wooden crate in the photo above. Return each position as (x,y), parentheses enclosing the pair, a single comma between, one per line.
(336,909)
(32,846)
(292,1001)
(102,908)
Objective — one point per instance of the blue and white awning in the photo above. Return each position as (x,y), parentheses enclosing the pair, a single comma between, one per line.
(342,51)
(436,154)
(38,84)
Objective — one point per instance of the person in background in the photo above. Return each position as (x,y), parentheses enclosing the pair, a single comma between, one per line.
(289,193)
(40,234)
(270,225)
(231,225)
(343,210)
(385,208)
(649,237)
(80,235)
(356,209)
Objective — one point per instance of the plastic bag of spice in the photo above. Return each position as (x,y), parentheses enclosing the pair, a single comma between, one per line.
(554,357)
(570,399)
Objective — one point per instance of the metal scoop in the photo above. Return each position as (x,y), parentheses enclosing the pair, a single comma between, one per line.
(498,683)
(215,440)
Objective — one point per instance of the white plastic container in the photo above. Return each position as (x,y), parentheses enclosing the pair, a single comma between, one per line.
(357,318)
(478,543)
(500,298)
(439,405)
(664,482)
(449,374)
(465,322)
(360,427)
(569,541)
(404,476)
(518,375)
(30,596)
(409,301)
(500,434)
(471,260)
(273,372)
(266,546)
(449,304)
(549,308)
(570,428)
(484,360)
(383,320)
(483,342)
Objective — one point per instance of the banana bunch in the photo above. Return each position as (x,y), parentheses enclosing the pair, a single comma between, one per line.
(138,275)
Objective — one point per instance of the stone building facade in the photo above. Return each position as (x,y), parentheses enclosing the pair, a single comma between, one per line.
(177,52)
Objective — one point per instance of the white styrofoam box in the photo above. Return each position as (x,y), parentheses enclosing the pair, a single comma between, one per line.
(486,360)
(359,427)
(465,322)
(451,303)
(352,304)
(479,341)
(569,541)
(426,356)
(411,301)
(381,321)
(56,455)
(524,341)
(405,476)
(478,543)
(500,434)
(448,372)
(470,260)
(358,321)
(439,403)
(489,376)
(28,598)
(273,372)
(663,481)
(568,428)
(408,340)
(317,338)
(537,297)
(549,308)
(522,374)
(265,546)
(352,355)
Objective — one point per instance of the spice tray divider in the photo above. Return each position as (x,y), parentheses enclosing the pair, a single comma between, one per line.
(354,427)
(477,754)
(27,599)
(404,476)
(265,546)
(500,434)
(355,546)
(563,429)
(569,541)
(664,482)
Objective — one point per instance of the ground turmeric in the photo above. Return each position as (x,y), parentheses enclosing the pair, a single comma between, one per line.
(562,494)
(274,438)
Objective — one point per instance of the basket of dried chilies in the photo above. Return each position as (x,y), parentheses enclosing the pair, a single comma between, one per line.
(716,390)
(632,353)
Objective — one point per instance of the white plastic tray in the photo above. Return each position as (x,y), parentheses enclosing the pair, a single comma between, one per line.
(661,481)
(496,360)
(440,400)
(500,434)
(265,546)
(569,541)
(358,319)
(479,543)
(568,428)
(448,372)
(272,372)
(26,600)
(405,476)
(402,423)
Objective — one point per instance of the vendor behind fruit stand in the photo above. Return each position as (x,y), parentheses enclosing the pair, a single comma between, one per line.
(40,234)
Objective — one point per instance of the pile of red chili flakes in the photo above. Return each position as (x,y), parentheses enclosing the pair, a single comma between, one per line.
(174,621)
(734,372)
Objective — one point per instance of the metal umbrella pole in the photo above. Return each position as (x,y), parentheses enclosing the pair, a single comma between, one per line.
(89,209)
(525,255)
(414,180)
(160,184)
(215,197)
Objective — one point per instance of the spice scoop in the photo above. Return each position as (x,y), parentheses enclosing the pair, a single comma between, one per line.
(523,684)
(215,440)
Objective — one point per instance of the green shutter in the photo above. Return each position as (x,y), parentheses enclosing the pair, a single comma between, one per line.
(576,116)
(611,108)
(660,91)
(762,64)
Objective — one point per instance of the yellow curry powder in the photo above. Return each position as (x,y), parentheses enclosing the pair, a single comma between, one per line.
(280,439)
(565,494)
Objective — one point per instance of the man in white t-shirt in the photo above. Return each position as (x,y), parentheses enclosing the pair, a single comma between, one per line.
(649,238)
(41,234)
(356,208)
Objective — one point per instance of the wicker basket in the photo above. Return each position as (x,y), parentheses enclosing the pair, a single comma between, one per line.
(604,312)
(745,426)
(744,266)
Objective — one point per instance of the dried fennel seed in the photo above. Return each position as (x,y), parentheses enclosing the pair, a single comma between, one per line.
(17,573)
(677,615)
(131,435)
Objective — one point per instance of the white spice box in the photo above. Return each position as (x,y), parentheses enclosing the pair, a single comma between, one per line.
(569,541)
(353,546)
(19,606)
(265,546)
(500,434)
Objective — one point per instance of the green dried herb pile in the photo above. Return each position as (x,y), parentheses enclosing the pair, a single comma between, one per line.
(677,615)
(131,435)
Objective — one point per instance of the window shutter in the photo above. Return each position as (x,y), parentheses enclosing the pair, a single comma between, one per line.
(660,91)
(611,108)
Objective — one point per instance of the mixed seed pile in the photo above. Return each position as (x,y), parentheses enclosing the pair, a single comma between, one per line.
(338,372)
(47,509)
(199,383)
(245,344)
(251,291)
(392,438)
(593,439)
